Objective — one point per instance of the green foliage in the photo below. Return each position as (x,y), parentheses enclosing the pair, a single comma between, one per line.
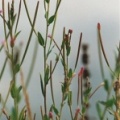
(40,39)
(22,114)
(99,111)
(51,19)
(46,78)
(42,86)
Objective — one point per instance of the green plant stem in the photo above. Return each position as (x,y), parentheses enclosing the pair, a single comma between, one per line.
(4,104)
(108,96)
(5,31)
(32,64)
(78,52)
(51,83)
(71,112)
(54,25)
(62,104)
(45,58)
(27,11)
(102,84)
(19,10)
(14,85)
(31,32)
(3,68)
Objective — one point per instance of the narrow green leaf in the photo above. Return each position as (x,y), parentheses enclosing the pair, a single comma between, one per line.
(13,19)
(8,24)
(19,89)
(46,78)
(47,1)
(68,50)
(65,96)
(46,14)
(87,92)
(42,86)
(55,110)
(108,103)
(106,86)
(51,19)
(83,110)
(21,116)
(57,57)
(17,34)
(16,68)
(13,92)
(40,39)
(99,111)
(48,53)
(70,98)
(3,68)
(45,117)
(70,73)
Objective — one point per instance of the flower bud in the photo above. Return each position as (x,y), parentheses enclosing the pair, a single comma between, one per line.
(12,41)
(98,26)
(51,115)
(70,31)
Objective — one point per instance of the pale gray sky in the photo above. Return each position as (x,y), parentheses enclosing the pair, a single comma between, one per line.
(81,16)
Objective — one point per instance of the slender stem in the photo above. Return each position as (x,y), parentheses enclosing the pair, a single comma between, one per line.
(19,10)
(27,11)
(3,68)
(4,104)
(4,22)
(51,83)
(102,84)
(78,52)
(31,32)
(32,64)
(71,112)
(62,104)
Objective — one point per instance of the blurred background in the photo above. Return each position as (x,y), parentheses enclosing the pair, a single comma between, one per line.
(80,16)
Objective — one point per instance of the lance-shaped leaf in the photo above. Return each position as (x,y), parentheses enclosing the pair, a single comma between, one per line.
(70,73)
(99,111)
(17,34)
(70,98)
(22,113)
(68,50)
(42,86)
(55,110)
(51,19)
(46,77)
(47,1)
(109,103)
(16,68)
(40,39)
(45,117)
(46,14)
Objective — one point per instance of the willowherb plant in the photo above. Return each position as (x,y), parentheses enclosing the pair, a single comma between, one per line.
(48,43)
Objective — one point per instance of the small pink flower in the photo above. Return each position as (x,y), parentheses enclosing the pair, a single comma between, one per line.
(81,72)
(49,36)
(51,115)
(98,26)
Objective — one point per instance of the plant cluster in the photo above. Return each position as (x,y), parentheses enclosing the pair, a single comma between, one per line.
(48,43)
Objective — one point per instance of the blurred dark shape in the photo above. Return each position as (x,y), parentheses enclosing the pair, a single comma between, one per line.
(85,58)
(84,47)
(86,73)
